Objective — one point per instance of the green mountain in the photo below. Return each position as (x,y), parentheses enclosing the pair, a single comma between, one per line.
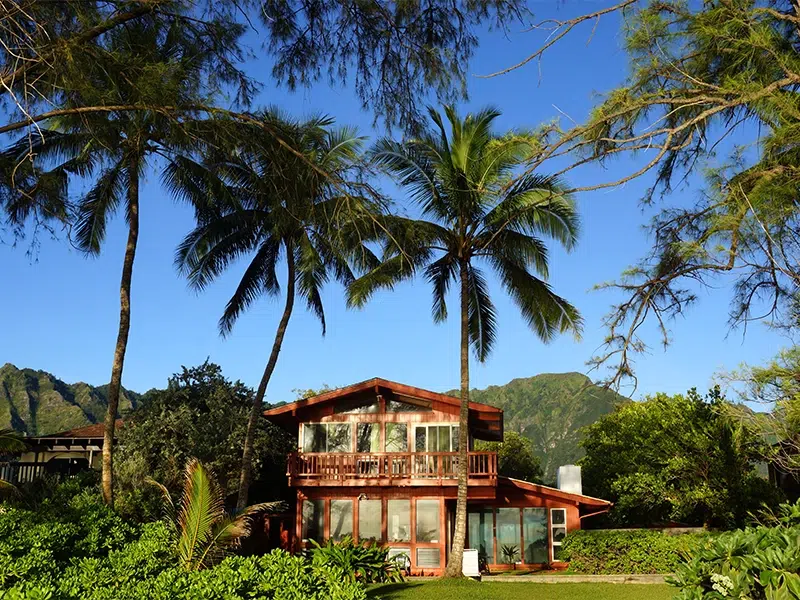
(37,403)
(550,409)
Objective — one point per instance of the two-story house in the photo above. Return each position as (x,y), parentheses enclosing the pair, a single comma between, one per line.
(378,460)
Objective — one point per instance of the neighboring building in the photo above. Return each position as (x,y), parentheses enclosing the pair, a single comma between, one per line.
(378,460)
(64,453)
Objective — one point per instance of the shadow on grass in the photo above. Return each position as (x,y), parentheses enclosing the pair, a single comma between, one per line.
(389,591)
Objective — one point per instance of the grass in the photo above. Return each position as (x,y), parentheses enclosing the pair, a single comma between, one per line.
(472,590)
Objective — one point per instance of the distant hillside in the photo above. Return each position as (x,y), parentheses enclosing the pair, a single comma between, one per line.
(550,409)
(37,403)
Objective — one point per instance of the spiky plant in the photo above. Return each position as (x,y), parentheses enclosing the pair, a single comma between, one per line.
(204,531)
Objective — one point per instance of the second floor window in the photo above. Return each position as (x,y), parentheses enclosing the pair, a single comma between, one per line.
(328,437)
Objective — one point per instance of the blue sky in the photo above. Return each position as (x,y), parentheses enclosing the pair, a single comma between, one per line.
(61,309)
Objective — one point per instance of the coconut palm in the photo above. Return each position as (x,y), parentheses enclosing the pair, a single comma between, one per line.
(150,63)
(277,197)
(474,212)
(204,531)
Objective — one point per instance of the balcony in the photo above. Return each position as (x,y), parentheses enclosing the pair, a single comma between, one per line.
(389,468)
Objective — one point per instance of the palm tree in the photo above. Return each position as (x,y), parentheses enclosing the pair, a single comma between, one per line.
(477,212)
(10,442)
(281,196)
(204,531)
(151,63)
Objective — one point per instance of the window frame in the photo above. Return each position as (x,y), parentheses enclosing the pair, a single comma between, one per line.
(551,534)
(326,425)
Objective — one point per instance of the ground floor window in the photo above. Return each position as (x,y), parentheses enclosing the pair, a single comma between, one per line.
(508,540)
(534,531)
(508,535)
(558,526)
(341,519)
(313,524)
(399,520)
(428,521)
(429,558)
(369,520)
(481,532)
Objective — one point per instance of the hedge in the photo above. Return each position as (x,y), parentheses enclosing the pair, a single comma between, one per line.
(634,551)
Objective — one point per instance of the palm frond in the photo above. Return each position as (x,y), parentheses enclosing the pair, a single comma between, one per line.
(96,206)
(201,507)
(545,312)
(385,276)
(11,441)
(259,278)
(482,315)
(440,274)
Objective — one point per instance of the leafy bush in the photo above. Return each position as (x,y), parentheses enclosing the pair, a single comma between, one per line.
(365,563)
(636,551)
(759,563)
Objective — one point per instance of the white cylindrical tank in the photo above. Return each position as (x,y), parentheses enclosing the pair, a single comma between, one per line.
(568,479)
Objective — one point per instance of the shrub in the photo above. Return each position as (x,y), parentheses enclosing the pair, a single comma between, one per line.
(759,563)
(636,551)
(366,563)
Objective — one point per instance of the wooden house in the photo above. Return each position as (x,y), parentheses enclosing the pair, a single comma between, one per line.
(378,461)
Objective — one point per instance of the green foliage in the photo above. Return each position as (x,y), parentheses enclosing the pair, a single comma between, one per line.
(550,411)
(638,551)
(364,563)
(73,547)
(761,563)
(202,415)
(685,459)
(510,553)
(515,457)
(204,531)
(37,403)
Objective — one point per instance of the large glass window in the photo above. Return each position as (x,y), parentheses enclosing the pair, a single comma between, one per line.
(354,406)
(481,533)
(369,520)
(534,530)
(398,514)
(428,558)
(341,519)
(313,520)
(436,438)
(315,438)
(558,526)
(428,521)
(396,406)
(368,437)
(328,437)
(508,536)
(396,437)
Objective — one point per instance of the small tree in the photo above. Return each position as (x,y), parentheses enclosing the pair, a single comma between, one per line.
(204,531)
(515,457)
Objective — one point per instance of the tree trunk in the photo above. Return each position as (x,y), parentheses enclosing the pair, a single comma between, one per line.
(115,385)
(454,564)
(246,475)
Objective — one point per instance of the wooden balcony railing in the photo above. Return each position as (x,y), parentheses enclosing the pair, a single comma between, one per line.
(434,467)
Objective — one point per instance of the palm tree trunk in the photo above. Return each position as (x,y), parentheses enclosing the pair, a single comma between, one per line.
(115,385)
(454,564)
(246,475)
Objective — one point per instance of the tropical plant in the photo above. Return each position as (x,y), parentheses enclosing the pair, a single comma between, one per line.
(204,531)
(364,563)
(278,196)
(148,63)
(510,553)
(464,183)
(515,457)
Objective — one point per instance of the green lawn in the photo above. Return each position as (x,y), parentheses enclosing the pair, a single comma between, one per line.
(472,590)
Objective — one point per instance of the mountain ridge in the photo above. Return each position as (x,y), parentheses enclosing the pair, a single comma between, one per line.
(550,409)
(36,402)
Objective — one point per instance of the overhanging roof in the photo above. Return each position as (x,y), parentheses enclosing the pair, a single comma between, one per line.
(544,490)
(486,422)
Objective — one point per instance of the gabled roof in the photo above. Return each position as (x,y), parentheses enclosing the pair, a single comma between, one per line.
(489,419)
